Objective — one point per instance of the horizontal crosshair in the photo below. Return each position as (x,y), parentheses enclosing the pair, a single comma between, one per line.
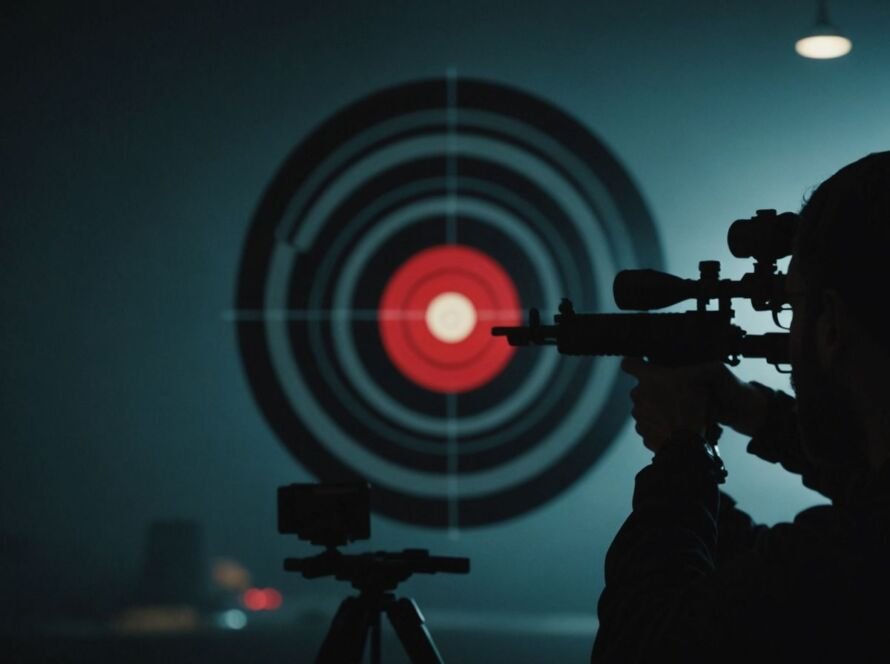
(365,315)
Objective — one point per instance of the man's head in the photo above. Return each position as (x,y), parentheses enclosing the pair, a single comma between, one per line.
(840,336)
(844,241)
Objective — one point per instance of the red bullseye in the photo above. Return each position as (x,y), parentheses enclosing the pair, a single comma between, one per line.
(436,315)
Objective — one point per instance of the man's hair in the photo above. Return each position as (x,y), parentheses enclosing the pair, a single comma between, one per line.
(844,241)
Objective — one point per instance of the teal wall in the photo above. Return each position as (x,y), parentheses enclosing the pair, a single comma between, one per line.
(136,143)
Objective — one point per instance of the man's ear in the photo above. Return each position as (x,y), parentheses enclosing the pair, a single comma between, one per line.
(832,329)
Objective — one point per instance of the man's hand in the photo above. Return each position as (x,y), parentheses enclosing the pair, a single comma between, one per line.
(668,400)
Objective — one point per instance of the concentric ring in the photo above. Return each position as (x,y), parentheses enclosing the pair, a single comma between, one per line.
(461,275)
(337,287)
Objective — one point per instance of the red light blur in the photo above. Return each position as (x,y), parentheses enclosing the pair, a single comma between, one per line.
(273,599)
(262,599)
(254,599)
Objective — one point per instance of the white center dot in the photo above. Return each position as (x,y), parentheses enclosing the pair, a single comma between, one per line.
(451,317)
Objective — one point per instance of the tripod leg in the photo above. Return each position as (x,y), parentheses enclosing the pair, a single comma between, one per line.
(408,623)
(376,650)
(345,640)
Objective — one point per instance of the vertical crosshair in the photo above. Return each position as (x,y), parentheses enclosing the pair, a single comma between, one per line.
(451,238)
(451,155)
(451,433)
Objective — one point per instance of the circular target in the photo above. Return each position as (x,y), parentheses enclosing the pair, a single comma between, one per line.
(436,316)
(389,243)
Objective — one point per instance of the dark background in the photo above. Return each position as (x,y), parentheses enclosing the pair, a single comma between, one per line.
(136,140)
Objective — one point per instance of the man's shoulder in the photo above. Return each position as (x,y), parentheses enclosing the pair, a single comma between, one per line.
(833,537)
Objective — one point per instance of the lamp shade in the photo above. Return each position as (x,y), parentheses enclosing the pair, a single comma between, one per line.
(824,41)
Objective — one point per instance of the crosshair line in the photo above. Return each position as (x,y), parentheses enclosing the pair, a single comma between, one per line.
(452,469)
(362,315)
(451,156)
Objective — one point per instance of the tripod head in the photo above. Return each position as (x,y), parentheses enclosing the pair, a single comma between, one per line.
(332,515)
(335,514)
(378,571)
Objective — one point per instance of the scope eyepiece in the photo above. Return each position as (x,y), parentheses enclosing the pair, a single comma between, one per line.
(767,236)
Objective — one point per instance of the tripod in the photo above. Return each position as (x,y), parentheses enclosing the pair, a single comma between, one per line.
(375,576)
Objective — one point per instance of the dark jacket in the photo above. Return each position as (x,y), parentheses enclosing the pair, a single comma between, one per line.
(690,577)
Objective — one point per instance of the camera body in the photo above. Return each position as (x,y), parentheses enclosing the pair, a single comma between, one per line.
(328,515)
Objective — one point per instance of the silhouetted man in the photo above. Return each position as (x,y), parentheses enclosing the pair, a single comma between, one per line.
(689,577)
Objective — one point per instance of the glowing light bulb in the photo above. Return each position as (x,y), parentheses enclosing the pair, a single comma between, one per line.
(825,41)
(823,47)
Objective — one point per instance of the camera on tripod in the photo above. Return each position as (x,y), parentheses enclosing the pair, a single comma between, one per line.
(328,515)
(333,515)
